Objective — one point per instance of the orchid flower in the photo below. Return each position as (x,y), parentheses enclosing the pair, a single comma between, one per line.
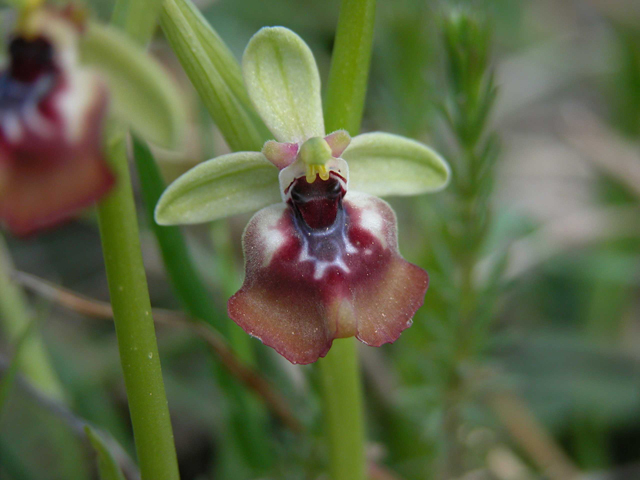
(321,257)
(51,116)
(53,108)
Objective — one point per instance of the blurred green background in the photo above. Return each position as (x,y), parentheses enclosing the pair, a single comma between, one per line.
(541,380)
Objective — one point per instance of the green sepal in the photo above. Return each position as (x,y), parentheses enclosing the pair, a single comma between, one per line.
(142,93)
(227,185)
(283,82)
(214,73)
(386,164)
(108,468)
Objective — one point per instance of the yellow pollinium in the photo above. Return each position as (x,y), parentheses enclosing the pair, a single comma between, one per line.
(316,153)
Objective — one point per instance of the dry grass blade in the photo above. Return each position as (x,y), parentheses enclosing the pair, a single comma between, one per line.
(603,148)
(532,437)
(579,230)
(96,309)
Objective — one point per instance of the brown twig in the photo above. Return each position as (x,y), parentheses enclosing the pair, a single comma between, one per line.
(97,309)
(525,429)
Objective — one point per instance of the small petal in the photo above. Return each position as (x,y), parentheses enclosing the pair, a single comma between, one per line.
(386,164)
(284,85)
(227,185)
(306,285)
(338,141)
(280,154)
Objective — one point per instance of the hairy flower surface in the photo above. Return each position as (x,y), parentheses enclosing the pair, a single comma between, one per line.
(324,262)
(51,116)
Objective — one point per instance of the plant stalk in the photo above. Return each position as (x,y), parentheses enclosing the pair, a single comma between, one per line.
(134,324)
(342,395)
(347,85)
(339,370)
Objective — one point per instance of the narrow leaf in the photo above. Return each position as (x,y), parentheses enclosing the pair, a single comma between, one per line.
(182,272)
(6,383)
(107,466)
(187,37)
(143,95)
(386,164)
(217,51)
(227,185)
(283,82)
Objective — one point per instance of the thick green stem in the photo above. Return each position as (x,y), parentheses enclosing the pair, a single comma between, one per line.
(248,416)
(347,86)
(342,393)
(128,288)
(341,383)
(15,320)
(134,324)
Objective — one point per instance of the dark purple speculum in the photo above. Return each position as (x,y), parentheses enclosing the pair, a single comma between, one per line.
(325,266)
(30,59)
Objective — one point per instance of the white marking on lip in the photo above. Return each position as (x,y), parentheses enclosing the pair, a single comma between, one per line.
(11,126)
(38,123)
(320,267)
(271,238)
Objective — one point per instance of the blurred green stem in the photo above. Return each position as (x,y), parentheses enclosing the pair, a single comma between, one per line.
(347,85)
(134,324)
(248,415)
(129,291)
(34,361)
(340,372)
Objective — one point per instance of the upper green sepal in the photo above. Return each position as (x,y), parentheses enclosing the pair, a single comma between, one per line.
(142,93)
(227,185)
(283,82)
(386,164)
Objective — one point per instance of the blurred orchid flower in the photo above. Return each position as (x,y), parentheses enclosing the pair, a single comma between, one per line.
(53,109)
(322,258)
(51,118)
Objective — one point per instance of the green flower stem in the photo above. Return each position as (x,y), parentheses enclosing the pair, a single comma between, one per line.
(34,361)
(340,377)
(347,86)
(340,371)
(248,423)
(128,288)
(134,324)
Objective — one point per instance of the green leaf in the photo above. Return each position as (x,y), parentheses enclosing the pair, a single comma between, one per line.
(143,94)
(6,382)
(210,68)
(385,164)
(283,82)
(217,51)
(107,466)
(227,185)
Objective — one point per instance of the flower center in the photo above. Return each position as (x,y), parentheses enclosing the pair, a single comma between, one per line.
(30,75)
(317,203)
(30,59)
